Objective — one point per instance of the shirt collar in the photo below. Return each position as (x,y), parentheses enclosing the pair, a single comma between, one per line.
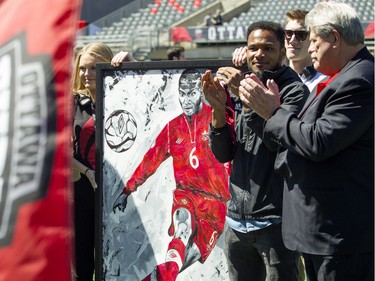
(324,84)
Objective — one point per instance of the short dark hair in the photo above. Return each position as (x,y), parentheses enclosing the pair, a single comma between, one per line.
(271,26)
(190,76)
(175,52)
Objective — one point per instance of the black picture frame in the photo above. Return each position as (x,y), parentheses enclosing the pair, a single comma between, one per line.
(104,73)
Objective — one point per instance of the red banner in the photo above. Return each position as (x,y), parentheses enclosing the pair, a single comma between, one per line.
(36,47)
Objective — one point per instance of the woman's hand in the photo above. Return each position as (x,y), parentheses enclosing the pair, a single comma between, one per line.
(121,57)
(90,174)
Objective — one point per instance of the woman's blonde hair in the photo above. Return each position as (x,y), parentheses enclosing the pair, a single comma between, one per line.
(98,50)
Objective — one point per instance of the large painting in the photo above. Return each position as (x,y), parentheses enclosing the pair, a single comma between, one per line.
(162,196)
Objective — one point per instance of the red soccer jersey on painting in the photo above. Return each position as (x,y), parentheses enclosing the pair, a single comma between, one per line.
(195,167)
(201,181)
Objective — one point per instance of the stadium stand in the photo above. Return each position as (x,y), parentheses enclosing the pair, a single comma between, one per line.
(262,10)
(124,30)
(146,27)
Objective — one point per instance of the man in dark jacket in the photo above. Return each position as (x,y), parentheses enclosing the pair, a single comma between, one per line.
(253,241)
(328,211)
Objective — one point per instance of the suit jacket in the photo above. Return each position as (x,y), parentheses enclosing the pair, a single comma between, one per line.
(328,165)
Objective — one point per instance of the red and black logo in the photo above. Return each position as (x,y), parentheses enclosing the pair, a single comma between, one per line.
(28,125)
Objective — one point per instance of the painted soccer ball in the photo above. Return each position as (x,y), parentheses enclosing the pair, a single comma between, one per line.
(120,130)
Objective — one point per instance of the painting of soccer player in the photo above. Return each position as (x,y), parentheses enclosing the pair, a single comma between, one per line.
(199,199)
(328,156)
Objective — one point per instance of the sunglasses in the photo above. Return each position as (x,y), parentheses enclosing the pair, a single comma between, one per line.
(300,35)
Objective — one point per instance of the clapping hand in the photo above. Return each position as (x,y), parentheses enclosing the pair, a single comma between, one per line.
(213,91)
(264,100)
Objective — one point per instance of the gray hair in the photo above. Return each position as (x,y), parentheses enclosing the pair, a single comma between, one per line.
(327,16)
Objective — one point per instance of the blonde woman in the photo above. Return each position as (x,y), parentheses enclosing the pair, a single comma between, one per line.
(83,84)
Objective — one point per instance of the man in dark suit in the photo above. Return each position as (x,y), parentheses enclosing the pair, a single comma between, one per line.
(328,156)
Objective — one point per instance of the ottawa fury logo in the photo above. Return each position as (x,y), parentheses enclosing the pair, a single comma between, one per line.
(27,118)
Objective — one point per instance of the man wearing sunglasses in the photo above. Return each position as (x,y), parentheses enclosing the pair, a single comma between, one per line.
(297,44)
